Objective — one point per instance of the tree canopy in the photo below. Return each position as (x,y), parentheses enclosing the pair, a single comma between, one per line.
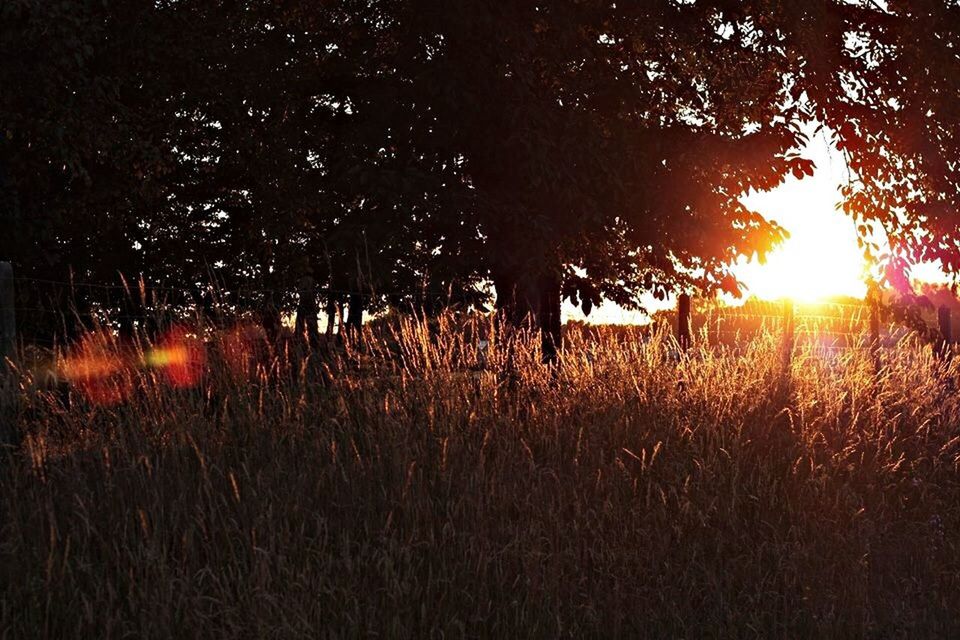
(412,153)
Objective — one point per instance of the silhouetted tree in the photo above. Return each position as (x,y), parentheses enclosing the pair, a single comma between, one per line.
(405,152)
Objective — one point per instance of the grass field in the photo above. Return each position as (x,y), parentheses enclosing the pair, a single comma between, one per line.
(409,492)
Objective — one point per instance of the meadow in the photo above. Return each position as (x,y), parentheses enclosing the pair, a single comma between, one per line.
(418,486)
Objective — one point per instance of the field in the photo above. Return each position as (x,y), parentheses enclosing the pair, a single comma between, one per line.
(424,488)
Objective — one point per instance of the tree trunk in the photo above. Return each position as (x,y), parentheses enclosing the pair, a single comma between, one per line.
(532,302)
(307,323)
(517,299)
(333,308)
(355,315)
(270,319)
(549,319)
(125,328)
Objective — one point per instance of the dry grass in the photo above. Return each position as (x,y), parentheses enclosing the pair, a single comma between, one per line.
(399,493)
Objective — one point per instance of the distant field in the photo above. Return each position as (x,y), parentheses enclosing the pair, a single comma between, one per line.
(426,488)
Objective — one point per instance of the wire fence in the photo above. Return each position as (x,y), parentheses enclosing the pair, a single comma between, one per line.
(136,287)
(46,307)
(825,327)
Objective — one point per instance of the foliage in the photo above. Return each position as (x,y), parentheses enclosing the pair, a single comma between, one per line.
(406,153)
(353,142)
(895,118)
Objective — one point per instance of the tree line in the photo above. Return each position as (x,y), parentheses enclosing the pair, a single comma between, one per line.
(410,153)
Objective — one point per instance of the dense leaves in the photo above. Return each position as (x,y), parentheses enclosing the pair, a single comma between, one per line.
(408,153)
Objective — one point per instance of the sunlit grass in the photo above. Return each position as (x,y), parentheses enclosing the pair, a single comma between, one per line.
(423,485)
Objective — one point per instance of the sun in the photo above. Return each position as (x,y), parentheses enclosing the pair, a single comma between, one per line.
(821,258)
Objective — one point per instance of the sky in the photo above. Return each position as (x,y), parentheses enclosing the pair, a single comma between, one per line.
(821,257)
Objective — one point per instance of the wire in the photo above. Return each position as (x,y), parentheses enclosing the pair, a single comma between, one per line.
(135,288)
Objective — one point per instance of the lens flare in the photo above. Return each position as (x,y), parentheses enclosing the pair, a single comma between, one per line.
(97,368)
(180,356)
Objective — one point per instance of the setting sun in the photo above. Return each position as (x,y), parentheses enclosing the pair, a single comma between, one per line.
(821,258)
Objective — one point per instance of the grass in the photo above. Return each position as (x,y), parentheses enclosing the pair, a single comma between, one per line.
(408,492)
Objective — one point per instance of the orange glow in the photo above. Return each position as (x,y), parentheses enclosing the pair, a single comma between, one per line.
(929,273)
(96,369)
(179,356)
(821,258)
(104,371)
(89,367)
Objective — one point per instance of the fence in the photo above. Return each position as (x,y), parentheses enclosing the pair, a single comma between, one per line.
(720,326)
(850,324)
(49,307)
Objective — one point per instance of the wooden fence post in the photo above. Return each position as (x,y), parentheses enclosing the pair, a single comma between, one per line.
(8,353)
(683,321)
(946,329)
(788,333)
(8,316)
(875,334)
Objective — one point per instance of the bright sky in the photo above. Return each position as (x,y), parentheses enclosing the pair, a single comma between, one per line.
(819,259)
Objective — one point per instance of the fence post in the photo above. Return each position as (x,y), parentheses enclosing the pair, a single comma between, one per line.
(683,321)
(875,334)
(8,353)
(788,333)
(8,316)
(946,329)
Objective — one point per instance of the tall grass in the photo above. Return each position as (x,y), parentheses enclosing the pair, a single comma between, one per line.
(421,487)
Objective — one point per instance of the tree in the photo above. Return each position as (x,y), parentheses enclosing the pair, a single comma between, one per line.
(888,92)
(607,146)
(83,153)
(402,152)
